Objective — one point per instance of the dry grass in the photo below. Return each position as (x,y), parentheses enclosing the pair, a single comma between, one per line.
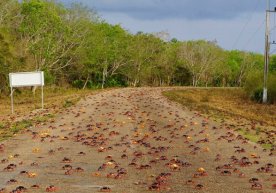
(27,108)
(231,104)
(25,101)
(225,101)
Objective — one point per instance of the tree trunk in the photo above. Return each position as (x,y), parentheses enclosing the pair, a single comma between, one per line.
(104,77)
(169,81)
(84,86)
(103,81)
(223,81)
(136,81)
(194,81)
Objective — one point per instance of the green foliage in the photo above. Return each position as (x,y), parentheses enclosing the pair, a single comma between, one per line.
(258,131)
(272,87)
(239,65)
(44,118)
(24,124)
(182,76)
(254,86)
(5,55)
(68,103)
(116,81)
(8,59)
(49,78)
(2,125)
(201,58)
(78,84)
(272,65)
(73,45)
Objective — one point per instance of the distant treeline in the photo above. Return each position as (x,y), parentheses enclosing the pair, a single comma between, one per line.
(75,47)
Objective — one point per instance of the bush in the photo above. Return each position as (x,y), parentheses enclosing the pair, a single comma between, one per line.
(272,88)
(49,78)
(78,84)
(257,95)
(116,81)
(254,86)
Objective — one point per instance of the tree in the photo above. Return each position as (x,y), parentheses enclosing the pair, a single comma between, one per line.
(105,51)
(167,65)
(73,45)
(52,33)
(144,50)
(199,57)
(5,62)
(9,13)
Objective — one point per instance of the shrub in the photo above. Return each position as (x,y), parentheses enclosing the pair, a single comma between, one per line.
(254,86)
(49,78)
(116,81)
(257,95)
(272,88)
(78,83)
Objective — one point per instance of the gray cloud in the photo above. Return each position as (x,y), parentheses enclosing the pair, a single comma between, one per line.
(222,20)
(185,9)
(225,32)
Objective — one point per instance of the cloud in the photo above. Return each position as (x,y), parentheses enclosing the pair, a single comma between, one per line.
(226,33)
(185,9)
(223,20)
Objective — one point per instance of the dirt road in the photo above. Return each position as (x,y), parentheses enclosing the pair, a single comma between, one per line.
(134,140)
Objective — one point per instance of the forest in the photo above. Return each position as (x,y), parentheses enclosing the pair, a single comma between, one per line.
(77,48)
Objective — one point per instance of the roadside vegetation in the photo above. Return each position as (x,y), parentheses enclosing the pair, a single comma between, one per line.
(224,101)
(256,122)
(77,48)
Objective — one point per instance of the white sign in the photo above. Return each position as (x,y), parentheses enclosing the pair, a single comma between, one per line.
(23,79)
(26,79)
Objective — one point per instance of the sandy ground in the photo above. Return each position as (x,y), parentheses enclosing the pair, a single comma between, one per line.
(134,140)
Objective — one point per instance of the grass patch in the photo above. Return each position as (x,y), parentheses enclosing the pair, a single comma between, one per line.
(12,128)
(44,118)
(249,136)
(24,124)
(254,138)
(69,103)
(25,101)
(2,126)
(15,128)
(267,146)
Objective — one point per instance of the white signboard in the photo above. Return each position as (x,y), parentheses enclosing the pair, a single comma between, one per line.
(23,79)
(26,79)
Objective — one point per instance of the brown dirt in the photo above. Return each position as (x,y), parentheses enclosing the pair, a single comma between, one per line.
(143,125)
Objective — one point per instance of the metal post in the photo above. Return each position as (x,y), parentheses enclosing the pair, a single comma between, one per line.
(267,50)
(12,109)
(42,97)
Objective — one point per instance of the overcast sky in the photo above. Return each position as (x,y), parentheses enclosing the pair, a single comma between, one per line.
(235,24)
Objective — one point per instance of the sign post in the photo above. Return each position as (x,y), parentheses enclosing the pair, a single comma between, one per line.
(23,79)
(12,100)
